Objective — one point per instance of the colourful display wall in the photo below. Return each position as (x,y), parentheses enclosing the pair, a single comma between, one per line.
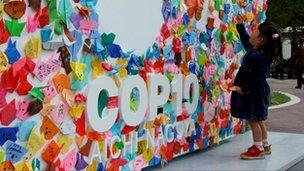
(73,97)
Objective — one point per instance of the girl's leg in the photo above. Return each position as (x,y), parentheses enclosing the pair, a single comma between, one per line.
(264,133)
(256,133)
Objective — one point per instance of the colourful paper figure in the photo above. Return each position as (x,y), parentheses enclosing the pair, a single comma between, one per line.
(31,23)
(59,114)
(65,10)
(15,9)
(48,129)
(75,47)
(11,52)
(69,160)
(51,152)
(64,141)
(14,27)
(67,127)
(25,129)
(33,145)
(32,48)
(61,82)
(4,34)
(3,62)
(78,69)
(14,152)
(8,113)
(8,133)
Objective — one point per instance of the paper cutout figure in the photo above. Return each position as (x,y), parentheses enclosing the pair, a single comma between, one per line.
(3,61)
(59,114)
(1,9)
(78,69)
(4,35)
(65,10)
(15,9)
(25,129)
(48,128)
(24,166)
(69,160)
(31,23)
(80,163)
(36,164)
(76,18)
(42,16)
(8,113)
(34,107)
(8,133)
(37,93)
(14,27)
(76,46)
(68,96)
(14,152)
(7,165)
(24,87)
(32,48)
(64,141)
(43,69)
(49,92)
(33,145)
(67,127)
(86,26)
(61,82)
(47,109)
(51,152)
(11,52)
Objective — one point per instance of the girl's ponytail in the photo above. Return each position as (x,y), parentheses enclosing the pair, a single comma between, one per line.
(272,44)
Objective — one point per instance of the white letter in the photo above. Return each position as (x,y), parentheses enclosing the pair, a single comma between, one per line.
(97,123)
(95,152)
(157,98)
(130,117)
(177,92)
(191,80)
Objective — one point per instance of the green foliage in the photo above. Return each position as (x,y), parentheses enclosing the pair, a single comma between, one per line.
(286,13)
(278,98)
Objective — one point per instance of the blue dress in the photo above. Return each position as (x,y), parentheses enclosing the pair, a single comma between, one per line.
(251,78)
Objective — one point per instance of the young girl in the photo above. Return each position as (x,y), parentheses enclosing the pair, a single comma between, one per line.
(250,96)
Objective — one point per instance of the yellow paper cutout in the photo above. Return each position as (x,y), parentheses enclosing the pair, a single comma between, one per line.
(249,16)
(141,146)
(96,67)
(116,80)
(3,61)
(122,62)
(92,166)
(24,166)
(1,9)
(32,48)
(33,144)
(148,155)
(123,72)
(65,141)
(78,69)
(76,111)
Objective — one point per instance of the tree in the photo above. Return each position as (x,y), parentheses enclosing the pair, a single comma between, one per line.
(287,13)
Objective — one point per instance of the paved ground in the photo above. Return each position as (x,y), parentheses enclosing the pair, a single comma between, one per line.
(288,119)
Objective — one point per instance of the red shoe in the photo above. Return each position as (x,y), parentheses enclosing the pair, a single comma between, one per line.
(253,153)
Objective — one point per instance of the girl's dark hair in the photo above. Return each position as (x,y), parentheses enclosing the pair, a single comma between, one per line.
(272,44)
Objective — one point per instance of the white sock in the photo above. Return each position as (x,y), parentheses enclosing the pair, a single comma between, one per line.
(265,143)
(259,144)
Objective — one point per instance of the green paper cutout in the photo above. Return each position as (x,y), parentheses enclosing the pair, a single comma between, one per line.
(37,93)
(2,155)
(202,59)
(14,27)
(119,145)
(55,17)
(107,39)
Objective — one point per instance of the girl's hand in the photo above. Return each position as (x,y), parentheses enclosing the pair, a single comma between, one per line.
(237,89)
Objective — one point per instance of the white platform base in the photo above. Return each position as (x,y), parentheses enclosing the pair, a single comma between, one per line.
(287,150)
